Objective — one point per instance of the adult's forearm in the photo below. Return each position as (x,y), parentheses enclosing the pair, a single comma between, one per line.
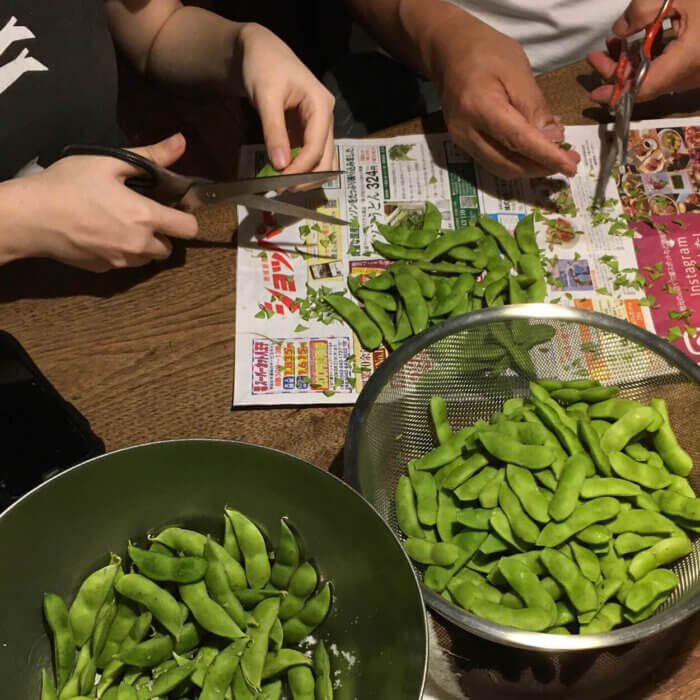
(413,30)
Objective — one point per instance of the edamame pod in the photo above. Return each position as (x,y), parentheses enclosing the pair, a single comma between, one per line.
(160,567)
(381,282)
(253,658)
(523,484)
(426,495)
(310,617)
(436,553)
(406,509)
(653,584)
(594,511)
(664,552)
(91,595)
(451,239)
(406,237)
(220,674)
(287,557)
(502,235)
(397,252)
(253,547)
(675,505)
(597,486)
(674,456)
(643,522)
(301,586)
(157,600)
(520,522)
(526,584)
(367,332)
(56,614)
(579,589)
(438,413)
(609,616)
(628,427)
(525,235)
(188,542)
(281,661)
(513,452)
(639,472)
(568,489)
(413,300)
(323,672)
(300,680)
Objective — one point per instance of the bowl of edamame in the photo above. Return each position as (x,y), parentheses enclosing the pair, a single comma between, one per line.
(536,461)
(205,569)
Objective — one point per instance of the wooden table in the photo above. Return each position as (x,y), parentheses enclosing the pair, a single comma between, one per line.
(147,354)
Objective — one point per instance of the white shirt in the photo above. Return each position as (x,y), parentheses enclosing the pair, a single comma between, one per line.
(552,32)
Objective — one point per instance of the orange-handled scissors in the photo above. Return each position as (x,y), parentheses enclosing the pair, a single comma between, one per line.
(624,96)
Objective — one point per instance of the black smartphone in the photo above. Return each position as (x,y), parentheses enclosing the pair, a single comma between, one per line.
(40,432)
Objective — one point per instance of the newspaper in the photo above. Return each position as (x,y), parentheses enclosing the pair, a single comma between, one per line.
(642,267)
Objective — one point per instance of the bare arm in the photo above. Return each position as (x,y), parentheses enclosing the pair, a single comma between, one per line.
(180,46)
(409,29)
(191,47)
(492,105)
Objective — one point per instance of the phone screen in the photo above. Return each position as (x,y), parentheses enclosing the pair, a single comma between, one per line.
(40,433)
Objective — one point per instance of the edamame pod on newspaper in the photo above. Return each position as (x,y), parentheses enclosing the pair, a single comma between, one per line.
(369,334)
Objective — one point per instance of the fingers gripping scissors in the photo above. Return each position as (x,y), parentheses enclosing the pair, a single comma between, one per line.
(627,84)
(189,193)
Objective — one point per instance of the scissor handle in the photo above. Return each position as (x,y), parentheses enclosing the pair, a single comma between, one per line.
(654,28)
(620,77)
(157,183)
(651,33)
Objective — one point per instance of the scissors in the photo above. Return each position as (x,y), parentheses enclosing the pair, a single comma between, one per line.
(624,97)
(189,193)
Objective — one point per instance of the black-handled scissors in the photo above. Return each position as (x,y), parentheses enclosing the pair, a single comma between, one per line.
(190,193)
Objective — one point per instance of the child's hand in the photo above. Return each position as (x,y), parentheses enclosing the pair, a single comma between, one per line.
(289,99)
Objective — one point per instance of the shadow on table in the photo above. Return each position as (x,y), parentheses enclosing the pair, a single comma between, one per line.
(45,279)
(488,670)
(337,466)
(680,103)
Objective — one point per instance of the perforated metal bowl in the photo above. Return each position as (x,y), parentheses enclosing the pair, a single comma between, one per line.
(390,424)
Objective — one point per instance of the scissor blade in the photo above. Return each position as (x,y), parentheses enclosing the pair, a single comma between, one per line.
(256,201)
(605,172)
(221,191)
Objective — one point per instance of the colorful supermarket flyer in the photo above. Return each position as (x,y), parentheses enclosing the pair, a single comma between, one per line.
(635,258)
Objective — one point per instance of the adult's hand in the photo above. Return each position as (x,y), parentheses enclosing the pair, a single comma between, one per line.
(79,211)
(493,106)
(677,68)
(288,98)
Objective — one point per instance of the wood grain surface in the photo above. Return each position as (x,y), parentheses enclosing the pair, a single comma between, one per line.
(147,354)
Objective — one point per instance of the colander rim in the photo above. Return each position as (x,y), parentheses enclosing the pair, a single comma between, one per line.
(485,629)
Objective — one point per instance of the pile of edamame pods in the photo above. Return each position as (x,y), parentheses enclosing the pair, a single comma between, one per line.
(559,515)
(434,277)
(194,619)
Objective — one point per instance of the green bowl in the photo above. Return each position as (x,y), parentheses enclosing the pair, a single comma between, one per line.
(64,529)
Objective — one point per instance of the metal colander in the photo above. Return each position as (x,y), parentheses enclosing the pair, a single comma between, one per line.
(391,424)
